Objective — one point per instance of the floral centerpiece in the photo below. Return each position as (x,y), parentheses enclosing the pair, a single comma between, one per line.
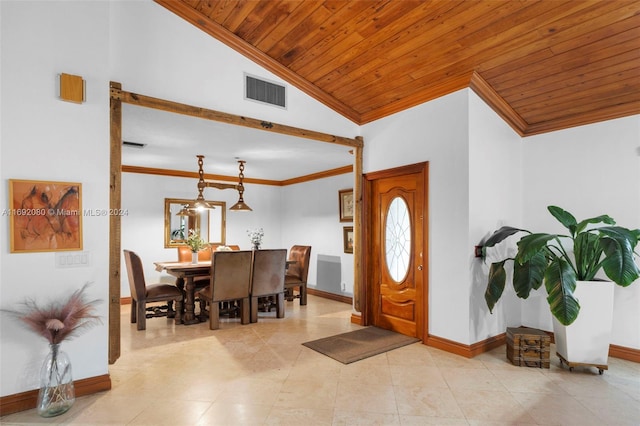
(194,241)
(255,236)
(57,321)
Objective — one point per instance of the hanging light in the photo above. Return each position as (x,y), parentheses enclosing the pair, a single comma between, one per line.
(200,202)
(240,206)
(186,210)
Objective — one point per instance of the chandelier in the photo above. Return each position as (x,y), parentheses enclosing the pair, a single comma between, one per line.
(200,202)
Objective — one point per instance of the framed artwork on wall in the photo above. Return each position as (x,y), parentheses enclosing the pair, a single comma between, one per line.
(347,237)
(346,205)
(44,216)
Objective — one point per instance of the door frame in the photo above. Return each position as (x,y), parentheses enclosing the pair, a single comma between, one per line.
(368,213)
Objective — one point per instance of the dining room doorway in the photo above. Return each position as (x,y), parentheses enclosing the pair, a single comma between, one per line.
(397,272)
(118,97)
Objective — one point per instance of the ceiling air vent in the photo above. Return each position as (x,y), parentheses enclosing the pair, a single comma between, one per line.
(265,91)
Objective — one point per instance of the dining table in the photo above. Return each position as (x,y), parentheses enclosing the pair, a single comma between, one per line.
(186,271)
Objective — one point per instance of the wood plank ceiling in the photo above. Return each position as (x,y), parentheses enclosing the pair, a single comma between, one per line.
(542,65)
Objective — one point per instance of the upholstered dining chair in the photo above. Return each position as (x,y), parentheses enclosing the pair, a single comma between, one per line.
(141,293)
(204,255)
(230,281)
(296,275)
(267,279)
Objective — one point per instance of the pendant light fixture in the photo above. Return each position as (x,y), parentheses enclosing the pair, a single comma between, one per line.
(200,202)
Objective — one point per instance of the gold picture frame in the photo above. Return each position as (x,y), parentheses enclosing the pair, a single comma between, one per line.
(345,197)
(347,238)
(44,216)
(210,224)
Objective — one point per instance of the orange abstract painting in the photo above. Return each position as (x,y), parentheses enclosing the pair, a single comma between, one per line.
(45,216)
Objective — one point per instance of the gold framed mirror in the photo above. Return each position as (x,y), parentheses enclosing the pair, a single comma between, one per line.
(210,224)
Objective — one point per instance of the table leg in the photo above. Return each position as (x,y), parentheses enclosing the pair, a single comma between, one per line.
(189,303)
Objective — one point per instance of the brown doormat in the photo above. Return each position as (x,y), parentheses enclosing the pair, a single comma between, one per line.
(360,344)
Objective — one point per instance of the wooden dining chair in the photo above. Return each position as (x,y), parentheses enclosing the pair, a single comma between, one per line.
(230,281)
(296,275)
(141,293)
(267,279)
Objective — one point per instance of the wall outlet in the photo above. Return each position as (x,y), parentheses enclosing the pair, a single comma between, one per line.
(76,259)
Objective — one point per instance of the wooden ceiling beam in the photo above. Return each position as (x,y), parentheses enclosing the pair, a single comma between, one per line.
(209,114)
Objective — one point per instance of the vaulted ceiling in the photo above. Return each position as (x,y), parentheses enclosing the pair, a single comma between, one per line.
(542,65)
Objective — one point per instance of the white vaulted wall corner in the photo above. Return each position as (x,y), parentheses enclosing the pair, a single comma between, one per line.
(495,198)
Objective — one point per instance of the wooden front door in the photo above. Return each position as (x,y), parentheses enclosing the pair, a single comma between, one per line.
(398,250)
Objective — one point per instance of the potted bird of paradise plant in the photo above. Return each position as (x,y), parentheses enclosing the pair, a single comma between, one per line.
(570,267)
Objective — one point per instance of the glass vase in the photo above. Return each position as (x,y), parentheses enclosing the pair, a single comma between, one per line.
(57,393)
(256,246)
(194,257)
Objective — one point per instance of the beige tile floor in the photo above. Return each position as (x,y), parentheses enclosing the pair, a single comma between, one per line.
(260,374)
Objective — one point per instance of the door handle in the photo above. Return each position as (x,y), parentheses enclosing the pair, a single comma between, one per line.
(419,267)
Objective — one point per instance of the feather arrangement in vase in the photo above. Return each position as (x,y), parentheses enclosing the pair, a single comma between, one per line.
(57,321)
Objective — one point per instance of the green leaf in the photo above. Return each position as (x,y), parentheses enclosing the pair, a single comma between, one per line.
(632,236)
(495,285)
(560,282)
(564,217)
(531,245)
(587,251)
(529,276)
(618,263)
(501,234)
(600,219)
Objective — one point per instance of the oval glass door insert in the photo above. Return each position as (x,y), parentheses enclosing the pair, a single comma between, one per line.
(398,239)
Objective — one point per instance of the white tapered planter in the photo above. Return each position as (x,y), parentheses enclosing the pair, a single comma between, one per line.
(586,341)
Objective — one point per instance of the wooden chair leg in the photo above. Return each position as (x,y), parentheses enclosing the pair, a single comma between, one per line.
(244,311)
(142,315)
(214,316)
(254,309)
(280,305)
(133,311)
(303,294)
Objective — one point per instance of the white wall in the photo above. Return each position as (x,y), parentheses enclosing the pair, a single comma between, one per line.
(43,138)
(310,217)
(495,199)
(438,132)
(588,171)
